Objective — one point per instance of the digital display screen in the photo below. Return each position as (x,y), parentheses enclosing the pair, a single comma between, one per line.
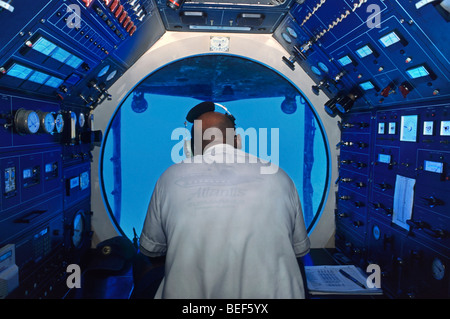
(19,71)
(381,127)
(38,77)
(364,51)
(345,60)
(367,86)
(50,49)
(60,55)
(54,82)
(48,168)
(44,46)
(389,39)
(384,158)
(74,62)
(428,127)
(417,72)
(24,73)
(445,128)
(434,167)
(27,173)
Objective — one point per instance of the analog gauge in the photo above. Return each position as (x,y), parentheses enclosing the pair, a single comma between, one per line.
(438,269)
(408,129)
(78,229)
(376,232)
(26,121)
(47,122)
(59,123)
(323,67)
(81,120)
(286,37)
(111,75)
(316,70)
(291,32)
(103,71)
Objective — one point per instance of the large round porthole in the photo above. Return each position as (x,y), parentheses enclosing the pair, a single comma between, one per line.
(140,144)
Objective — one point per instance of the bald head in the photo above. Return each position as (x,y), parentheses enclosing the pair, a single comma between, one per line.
(212,128)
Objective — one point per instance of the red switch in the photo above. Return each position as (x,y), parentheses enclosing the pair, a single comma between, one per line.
(405,88)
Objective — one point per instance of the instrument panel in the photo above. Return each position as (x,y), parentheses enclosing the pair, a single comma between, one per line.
(382,52)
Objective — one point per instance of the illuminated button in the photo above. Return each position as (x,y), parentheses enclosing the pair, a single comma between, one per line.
(435,92)
(380,69)
(133,30)
(408,59)
(123,16)
(360,76)
(118,11)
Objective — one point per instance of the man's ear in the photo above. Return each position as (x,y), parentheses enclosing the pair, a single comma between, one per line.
(238,141)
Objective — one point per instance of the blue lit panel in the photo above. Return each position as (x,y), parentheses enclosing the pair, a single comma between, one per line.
(389,39)
(345,60)
(418,72)
(25,73)
(366,85)
(54,82)
(74,62)
(61,55)
(38,77)
(50,49)
(44,46)
(364,51)
(19,71)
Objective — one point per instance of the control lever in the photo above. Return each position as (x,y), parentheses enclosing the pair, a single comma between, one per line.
(436,233)
(433,201)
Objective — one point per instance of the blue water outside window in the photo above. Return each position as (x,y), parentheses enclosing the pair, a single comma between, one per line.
(139,146)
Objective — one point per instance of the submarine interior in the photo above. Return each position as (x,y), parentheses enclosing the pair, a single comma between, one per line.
(350,97)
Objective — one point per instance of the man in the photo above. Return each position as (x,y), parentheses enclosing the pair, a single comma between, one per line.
(226,230)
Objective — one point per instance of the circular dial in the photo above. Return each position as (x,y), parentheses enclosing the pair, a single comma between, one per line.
(47,122)
(59,123)
(81,119)
(77,229)
(438,269)
(26,121)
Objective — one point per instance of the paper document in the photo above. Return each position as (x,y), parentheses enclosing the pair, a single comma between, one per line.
(329,280)
(403,200)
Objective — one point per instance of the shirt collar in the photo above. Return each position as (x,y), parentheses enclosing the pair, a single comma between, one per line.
(219,148)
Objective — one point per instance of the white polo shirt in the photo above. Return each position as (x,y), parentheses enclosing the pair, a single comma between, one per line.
(227,230)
